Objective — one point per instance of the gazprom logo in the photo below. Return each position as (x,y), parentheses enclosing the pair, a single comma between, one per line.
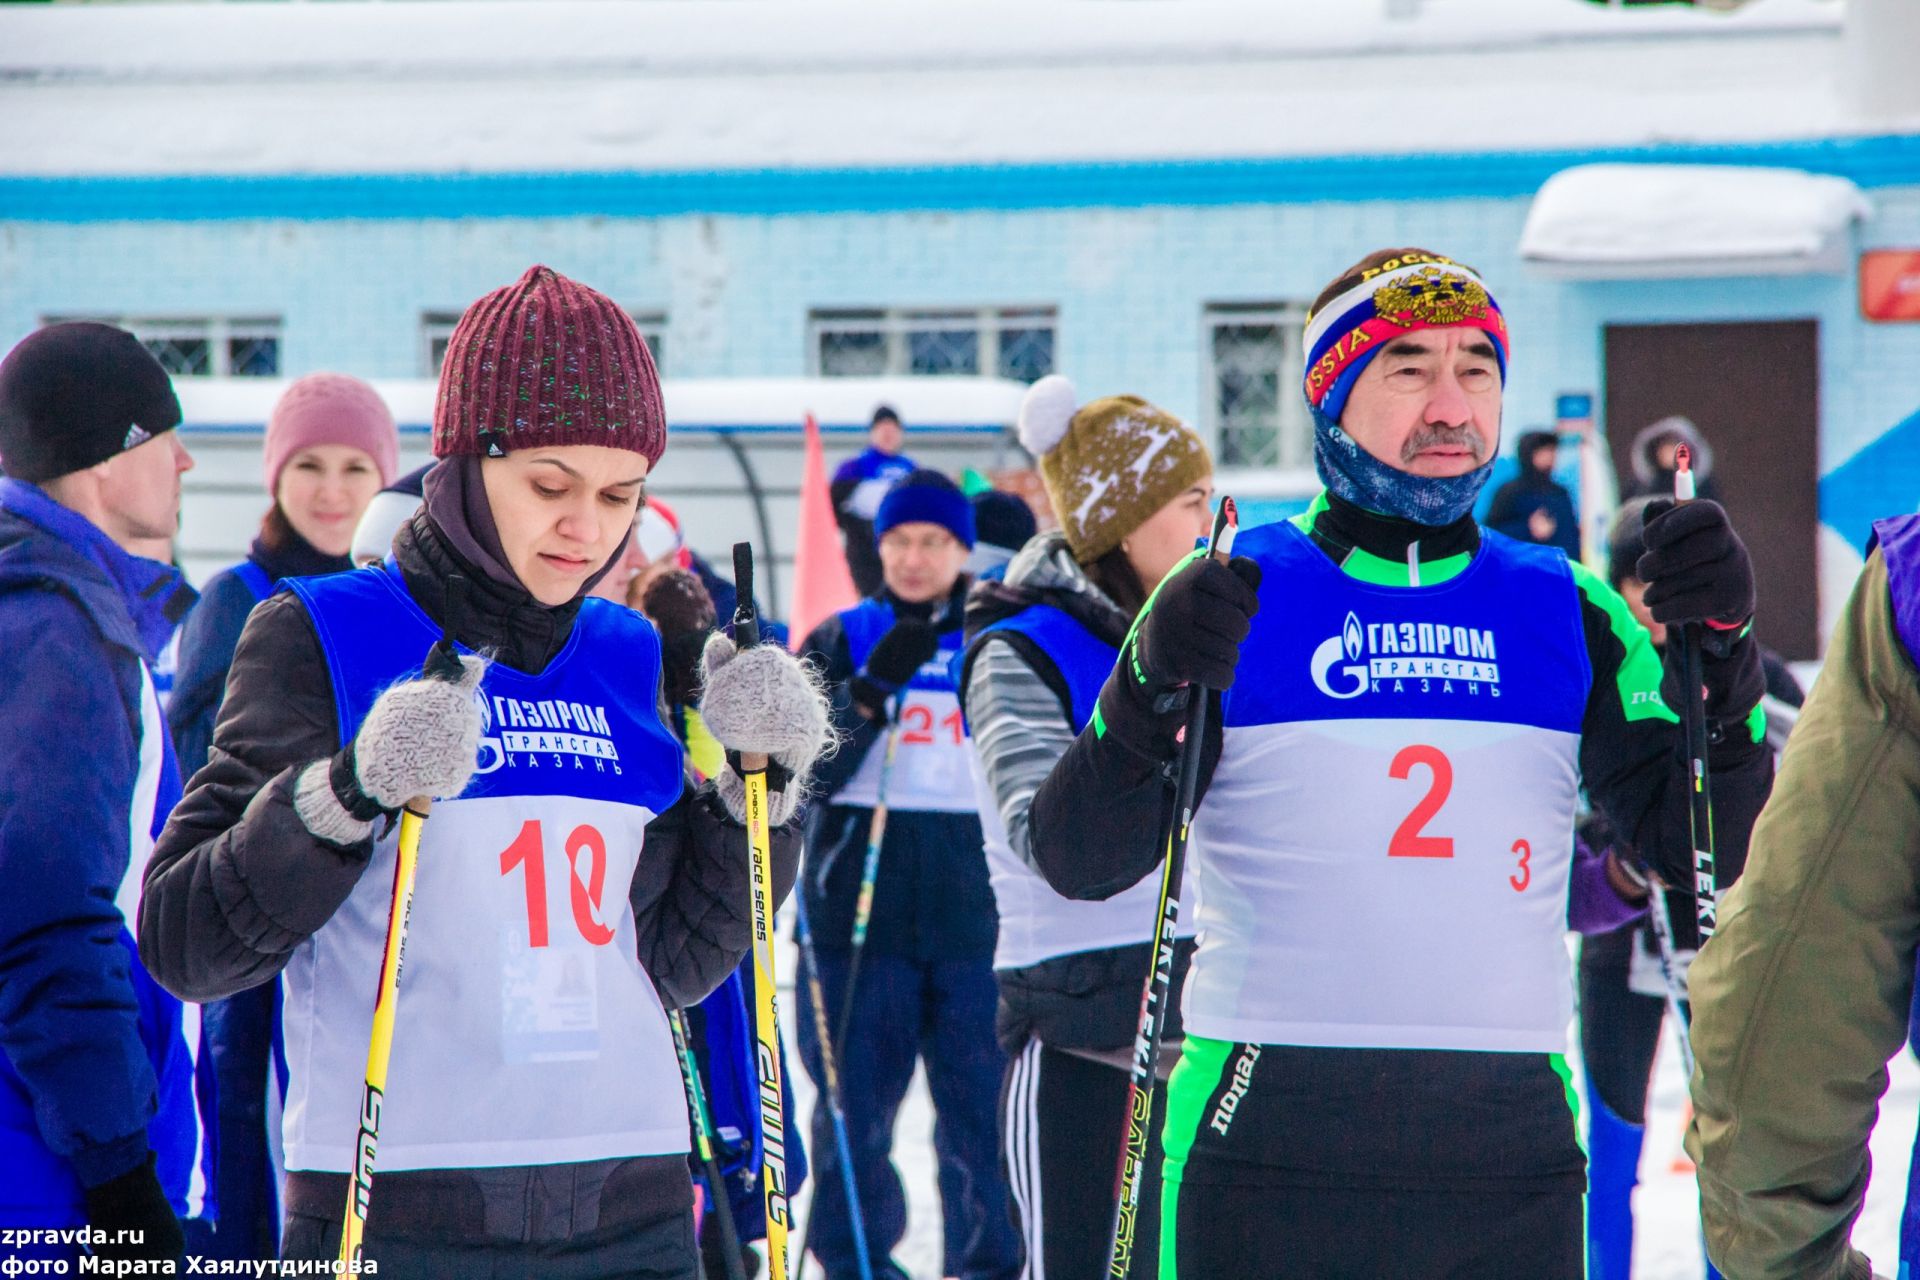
(533,729)
(1353,673)
(1429,657)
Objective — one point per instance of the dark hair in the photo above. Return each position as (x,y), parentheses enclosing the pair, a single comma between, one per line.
(276,531)
(1373,262)
(1114,574)
(884,413)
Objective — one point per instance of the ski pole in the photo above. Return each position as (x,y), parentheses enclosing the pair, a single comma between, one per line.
(1153,1000)
(442,664)
(869,873)
(704,1142)
(1676,982)
(766,1013)
(836,1107)
(1706,889)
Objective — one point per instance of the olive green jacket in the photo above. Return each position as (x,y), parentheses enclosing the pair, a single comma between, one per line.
(1802,997)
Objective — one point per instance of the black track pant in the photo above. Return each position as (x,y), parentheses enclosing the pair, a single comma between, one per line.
(1062,1119)
(663,1249)
(1262,1176)
(1282,1233)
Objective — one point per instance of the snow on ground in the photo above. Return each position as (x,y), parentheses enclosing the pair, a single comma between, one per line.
(1667,1214)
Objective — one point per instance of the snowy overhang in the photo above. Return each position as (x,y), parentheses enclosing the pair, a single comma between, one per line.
(1659,221)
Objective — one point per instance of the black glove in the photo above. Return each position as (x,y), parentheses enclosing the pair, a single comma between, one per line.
(1192,630)
(906,647)
(135,1205)
(1695,567)
(1733,682)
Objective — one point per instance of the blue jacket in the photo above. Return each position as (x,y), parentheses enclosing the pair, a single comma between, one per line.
(94,1072)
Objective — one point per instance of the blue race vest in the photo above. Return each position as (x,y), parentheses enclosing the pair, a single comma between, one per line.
(527,1031)
(256,579)
(930,767)
(1082,658)
(1036,923)
(1406,756)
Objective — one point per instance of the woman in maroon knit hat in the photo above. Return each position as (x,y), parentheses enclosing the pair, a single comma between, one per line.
(572,881)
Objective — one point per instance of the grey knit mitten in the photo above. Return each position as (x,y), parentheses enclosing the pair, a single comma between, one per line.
(422,738)
(763,702)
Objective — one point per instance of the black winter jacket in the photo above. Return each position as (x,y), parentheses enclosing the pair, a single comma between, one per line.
(237,882)
(1085,1000)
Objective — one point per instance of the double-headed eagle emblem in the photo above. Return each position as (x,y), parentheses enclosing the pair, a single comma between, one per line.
(1431,296)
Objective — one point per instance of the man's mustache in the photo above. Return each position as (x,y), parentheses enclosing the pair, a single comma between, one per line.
(1466,437)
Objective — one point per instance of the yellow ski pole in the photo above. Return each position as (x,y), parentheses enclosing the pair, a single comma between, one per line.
(766,1013)
(442,664)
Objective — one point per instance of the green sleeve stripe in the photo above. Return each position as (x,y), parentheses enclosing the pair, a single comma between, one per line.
(1640,671)
(1757,722)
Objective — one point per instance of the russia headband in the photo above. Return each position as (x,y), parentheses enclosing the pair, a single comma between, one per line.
(1418,291)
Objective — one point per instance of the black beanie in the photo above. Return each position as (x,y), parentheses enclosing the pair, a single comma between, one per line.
(1003,519)
(74,395)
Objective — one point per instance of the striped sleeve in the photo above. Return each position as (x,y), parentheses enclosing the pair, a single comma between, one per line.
(1019,732)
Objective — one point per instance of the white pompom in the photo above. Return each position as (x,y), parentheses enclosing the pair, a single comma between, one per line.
(1045,413)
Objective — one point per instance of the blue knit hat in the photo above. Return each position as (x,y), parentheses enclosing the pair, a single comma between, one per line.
(926,497)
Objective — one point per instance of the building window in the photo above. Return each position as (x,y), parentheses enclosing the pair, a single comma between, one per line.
(1010,342)
(202,346)
(1254,368)
(436,330)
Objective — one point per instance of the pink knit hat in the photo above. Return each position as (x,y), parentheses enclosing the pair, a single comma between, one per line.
(547,361)
(331,408)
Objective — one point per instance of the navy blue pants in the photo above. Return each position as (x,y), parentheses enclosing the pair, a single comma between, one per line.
(907,1011)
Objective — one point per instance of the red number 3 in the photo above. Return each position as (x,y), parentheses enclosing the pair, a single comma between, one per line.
(586,885)
(1407,841)
(1525,876)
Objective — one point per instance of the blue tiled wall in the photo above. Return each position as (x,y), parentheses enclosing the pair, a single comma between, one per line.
(1130,284)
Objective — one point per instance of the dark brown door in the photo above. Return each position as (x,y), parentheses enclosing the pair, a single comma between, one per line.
(1753,390)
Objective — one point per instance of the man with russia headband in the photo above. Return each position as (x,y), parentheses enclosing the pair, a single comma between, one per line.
(572,880)
(1373,1081)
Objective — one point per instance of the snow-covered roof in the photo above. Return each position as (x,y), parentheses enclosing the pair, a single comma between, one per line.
(1616,221)
(504,86)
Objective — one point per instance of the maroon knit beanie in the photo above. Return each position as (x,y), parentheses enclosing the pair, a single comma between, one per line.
(547,361)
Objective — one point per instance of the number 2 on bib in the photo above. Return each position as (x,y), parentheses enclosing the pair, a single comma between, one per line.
(1408,842)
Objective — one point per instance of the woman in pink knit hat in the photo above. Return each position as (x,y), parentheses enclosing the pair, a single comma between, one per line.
(330,446)
(574,882)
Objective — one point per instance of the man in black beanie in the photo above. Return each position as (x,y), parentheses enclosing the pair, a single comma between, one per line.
(97,1125)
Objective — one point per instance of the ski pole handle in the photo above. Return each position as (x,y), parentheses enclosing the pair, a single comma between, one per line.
(1683,485)
(746,619)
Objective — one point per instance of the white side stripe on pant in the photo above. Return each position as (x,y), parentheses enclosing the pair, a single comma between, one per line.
(1021,1135)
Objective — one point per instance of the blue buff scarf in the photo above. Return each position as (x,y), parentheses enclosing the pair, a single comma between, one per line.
(1352,473)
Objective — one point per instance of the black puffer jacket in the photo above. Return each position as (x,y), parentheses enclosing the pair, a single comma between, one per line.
(237,882)
(1088,1001)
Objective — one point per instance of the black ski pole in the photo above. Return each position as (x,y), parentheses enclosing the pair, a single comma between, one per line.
(1706,887)
(705,1141)
(1153,1001)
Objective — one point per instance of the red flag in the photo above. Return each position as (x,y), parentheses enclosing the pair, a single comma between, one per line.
(822,584)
